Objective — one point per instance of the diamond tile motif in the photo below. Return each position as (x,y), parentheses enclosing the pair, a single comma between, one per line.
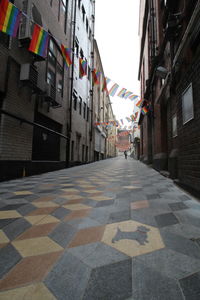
(37,231)
(87,236)
(177,206)
(133,238)
(33,292)
(9,214)
(9,256)
(191,287)
(166,220)
(36,246)
(23,193)
(76,206)
(3,238)
(30,269)
(100,198)
(111,282)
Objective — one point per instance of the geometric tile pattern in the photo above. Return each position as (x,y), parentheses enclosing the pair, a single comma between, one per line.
(122,232)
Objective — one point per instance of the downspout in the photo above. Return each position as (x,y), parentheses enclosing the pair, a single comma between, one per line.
(73,23)
(92,90)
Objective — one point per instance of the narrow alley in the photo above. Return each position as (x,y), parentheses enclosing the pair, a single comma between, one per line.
(114,229)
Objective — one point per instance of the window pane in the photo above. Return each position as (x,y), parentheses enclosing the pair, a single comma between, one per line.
(51,78)
(187,104)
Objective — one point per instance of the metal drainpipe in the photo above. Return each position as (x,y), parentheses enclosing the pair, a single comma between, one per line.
(72,85)
(92,90)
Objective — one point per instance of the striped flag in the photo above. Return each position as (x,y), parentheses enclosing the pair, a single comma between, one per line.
(82,67)
(133,97)
(122,93)
(127,94)
(144,110)
(39,42)
(113,90)
(122,121)
(66,52)
(9,18)
(139,103)
(96,77)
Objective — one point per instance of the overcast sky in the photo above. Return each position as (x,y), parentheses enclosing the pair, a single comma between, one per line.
(116,32)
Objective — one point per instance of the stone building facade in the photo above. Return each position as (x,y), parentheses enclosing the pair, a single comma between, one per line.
(170,82)
(104,136)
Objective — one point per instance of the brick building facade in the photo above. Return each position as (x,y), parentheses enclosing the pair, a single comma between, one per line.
(169,74)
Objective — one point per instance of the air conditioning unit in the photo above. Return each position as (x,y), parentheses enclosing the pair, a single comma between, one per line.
(29,75)
(53,97)
(25,27)
(58,101)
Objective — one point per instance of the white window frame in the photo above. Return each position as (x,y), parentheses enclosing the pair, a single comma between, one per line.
(184,95)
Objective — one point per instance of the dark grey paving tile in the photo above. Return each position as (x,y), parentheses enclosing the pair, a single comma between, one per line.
(15,228)
(110,282)
(152,196)
(97,254)
(190,216)
(180,244)
(177,206)
(5,222)
(12,207)
(119,216)
(166,220)
(150,284)
(68,278)
(9,257)
(162,190)
(90,202)
(142,217)
(105,203)
(32,197)
(184,198)
(26,209)
(191,286)
(85,223)
(170,263)
(63,234)
(61,212)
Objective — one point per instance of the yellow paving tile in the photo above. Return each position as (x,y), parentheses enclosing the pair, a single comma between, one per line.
(34,219)
(36,291)
(86,186)
(48,219)
(100,198)
(36,246)
(129,187)
(67,184)
(92,191)
(133,238)
(76,206)
(3,238)
(72,197)
(71,190)
(23,193)
(9,214)
(45,204)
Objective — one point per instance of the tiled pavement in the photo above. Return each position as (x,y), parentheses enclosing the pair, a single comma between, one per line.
(115,229)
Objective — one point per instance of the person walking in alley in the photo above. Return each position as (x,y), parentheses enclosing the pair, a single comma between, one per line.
(125,154)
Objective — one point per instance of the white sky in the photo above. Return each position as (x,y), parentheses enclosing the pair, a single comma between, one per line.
(116,32)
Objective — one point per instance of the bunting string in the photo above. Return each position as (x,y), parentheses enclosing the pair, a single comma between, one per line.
(10,17)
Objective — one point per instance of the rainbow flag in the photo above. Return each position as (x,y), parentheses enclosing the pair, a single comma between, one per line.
(122,93)
(128,119)
(96,77)
(39,42)
(105,83)
(9,18)
(113,90)
(139,103)
(127,94)
(82,67)
(133,97)
(66,52)
(144,110)
(122,121)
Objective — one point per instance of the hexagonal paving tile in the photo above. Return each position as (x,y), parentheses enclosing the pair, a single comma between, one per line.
(133,238)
